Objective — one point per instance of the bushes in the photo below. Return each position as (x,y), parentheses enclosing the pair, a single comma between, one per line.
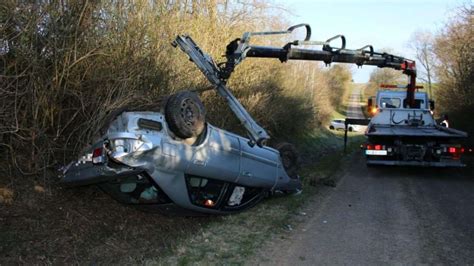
(338,78)
(67,65)
(454,50)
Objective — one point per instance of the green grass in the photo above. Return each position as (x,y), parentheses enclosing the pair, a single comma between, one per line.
(324,170)
(232,239)
(337,114)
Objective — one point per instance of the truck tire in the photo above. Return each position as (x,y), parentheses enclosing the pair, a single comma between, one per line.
(185,114)
(331,127)
(350,129)
(289,158)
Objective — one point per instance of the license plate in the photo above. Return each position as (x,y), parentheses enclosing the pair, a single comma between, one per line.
(374,152)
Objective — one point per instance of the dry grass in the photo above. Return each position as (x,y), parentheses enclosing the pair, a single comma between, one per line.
(84,226)
(6,196)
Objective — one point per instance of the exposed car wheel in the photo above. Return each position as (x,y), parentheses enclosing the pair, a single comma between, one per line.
(331,127)
(185,114)
(350,129)
(289,158)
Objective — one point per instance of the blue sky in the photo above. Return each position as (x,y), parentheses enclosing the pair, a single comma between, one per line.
(381,23)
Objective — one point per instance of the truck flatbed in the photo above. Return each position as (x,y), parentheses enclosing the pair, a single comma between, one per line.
(418,131)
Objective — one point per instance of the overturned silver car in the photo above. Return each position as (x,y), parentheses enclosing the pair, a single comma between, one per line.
(174,161)
(141,160)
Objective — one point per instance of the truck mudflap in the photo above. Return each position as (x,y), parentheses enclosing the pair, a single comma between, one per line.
(416,163)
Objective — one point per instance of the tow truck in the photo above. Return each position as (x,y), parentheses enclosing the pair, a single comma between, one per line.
(403,134)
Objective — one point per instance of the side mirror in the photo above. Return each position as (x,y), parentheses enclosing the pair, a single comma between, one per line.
(432,105)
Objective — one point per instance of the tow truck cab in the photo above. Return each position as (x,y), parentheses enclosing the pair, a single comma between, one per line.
(397,99)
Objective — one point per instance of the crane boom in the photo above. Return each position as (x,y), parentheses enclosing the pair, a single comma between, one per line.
(240,48)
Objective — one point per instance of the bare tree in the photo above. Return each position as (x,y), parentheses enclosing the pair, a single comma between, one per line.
(422,43)
(454,49)
(382,76)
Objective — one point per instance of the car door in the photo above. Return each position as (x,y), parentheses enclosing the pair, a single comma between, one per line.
(259,166)
(217,157)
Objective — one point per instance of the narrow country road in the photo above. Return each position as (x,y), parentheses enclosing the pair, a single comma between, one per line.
(354,108)
(386,215)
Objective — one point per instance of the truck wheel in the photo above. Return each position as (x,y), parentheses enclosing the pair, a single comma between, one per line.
(350,129)
(331,127)
(185,114)
(289,158)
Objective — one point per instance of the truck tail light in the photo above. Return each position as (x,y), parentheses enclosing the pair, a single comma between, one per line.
(376,147)
(377,150)
(456,150)
(98,156)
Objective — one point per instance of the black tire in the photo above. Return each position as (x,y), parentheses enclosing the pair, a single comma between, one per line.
(350,129)
(289,158)
(185,114)
(331,127)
